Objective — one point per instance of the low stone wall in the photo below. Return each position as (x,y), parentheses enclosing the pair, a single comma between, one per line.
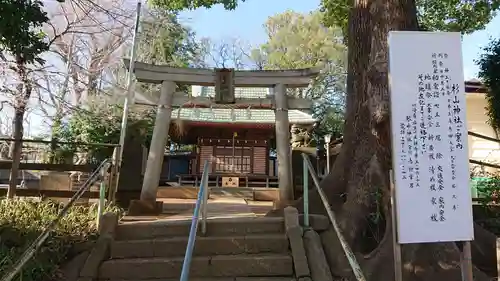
(305,243)
(265,194)
(320,270)
(84,266)
(177,192)
(295,233)
(55,181)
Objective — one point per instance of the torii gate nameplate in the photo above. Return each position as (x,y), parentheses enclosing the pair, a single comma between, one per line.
(224,85)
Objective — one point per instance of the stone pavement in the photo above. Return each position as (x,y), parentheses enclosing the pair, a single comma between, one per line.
(218,207)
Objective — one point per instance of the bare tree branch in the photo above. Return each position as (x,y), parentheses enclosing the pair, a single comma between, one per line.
(2,104)
(90,39)
(229,53)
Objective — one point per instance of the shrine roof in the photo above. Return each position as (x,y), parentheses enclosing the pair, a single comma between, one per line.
(238,115)
(246,92)
(475,86)
(235,115)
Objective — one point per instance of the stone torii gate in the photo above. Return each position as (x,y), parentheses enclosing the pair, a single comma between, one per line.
(224,80)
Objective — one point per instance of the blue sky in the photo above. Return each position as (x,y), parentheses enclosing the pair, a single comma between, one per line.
(246,23)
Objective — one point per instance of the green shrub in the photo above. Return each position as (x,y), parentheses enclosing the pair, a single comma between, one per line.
(23,220)
(489,188)
(101,123)
(488,191)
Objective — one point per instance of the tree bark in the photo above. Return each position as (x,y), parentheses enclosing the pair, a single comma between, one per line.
(23,96)
(16,149)
(362,168)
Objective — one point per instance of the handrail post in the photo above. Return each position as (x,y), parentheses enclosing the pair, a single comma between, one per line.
(194,225)
(100,206)
(114,174)
(305,187)
(205,203)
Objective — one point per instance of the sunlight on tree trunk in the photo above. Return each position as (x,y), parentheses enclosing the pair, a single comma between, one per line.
(24,90)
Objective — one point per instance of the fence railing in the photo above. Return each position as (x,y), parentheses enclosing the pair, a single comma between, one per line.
(201,206)
(58,152)
(482,163)
(309,170)
(40,240)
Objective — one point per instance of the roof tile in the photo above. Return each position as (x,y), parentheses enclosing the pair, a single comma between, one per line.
(238,115)
(239,92)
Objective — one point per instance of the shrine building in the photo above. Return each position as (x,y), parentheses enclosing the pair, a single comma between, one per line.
(235,139)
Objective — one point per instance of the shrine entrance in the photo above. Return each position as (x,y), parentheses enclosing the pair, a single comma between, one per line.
(233,118)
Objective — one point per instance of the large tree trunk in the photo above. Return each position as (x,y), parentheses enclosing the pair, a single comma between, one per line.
(361,170)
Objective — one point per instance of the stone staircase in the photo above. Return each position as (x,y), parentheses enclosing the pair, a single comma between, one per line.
(241,249)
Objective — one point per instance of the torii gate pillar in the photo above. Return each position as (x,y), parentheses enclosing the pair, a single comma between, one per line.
(283,146)
(159,140)
(147,203)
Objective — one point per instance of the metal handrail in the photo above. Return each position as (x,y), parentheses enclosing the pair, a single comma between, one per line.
(308,167)
(201,205)
(40,240)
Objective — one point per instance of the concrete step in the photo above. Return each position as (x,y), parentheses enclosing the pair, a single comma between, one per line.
(215,227)
(244,193)
(269,265)
(213,279)
(204,246)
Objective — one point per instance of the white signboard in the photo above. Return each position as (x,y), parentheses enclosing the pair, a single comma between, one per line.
(429,136)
